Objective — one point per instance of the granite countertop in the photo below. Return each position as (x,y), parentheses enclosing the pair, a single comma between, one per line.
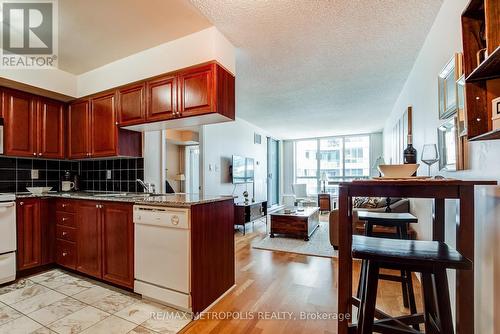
(174,200)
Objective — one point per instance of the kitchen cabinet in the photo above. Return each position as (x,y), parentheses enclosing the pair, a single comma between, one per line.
(196,91)
(34,126)
(173,99)
(88,240)
(103,129)
(19,111)
(162,98)
(50,124)
(93,130)
(78,130)
(118,244)
(65,233)
(96,238)
(131,104)
(34,233)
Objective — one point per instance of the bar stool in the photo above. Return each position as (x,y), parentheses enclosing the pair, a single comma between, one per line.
(399,221)
(430,258)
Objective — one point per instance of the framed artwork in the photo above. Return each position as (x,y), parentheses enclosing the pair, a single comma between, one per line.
(495,111)
(448,144)
(447,86)
(461,113)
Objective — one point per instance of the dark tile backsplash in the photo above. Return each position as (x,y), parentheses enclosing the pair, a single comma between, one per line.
(15,174)
(124,173)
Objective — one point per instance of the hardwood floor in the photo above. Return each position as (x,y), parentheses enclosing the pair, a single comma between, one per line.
(288,286)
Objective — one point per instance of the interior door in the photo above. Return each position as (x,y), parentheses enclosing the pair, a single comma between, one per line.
(272,172)
(50,129)
(19,111)
(104,130)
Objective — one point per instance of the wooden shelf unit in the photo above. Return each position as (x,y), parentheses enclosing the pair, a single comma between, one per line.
(481,17)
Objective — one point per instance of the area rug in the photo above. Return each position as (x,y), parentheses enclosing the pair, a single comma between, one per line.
(318,245)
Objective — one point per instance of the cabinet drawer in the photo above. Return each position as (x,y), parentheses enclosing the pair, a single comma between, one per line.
(66,254)
(65,233)
(66,219)
(65,206)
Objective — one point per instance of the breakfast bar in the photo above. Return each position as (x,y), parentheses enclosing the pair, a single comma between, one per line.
(437,189)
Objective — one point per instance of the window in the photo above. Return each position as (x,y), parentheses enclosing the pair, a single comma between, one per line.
(338,157)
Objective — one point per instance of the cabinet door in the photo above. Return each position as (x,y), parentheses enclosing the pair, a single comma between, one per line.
(103,129)
(197,91)
(162,98)
(19,111)
(78,130)
(29,252)
(50,129)
(131,104)
(88,241)
(118,244)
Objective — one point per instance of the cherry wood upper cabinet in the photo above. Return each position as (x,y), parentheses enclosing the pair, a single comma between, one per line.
(162,98)
(132,104)
(29,247)
(103,129)
(19,110)
(78,130)
(50,129)
(197,90)
(88,254)
(118,244)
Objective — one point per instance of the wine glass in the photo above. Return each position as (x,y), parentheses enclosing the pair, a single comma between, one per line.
(430,155)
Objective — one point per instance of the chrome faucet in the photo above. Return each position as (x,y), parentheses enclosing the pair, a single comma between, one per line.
(147,187)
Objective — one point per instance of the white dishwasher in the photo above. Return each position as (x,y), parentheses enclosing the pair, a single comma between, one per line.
(163,255)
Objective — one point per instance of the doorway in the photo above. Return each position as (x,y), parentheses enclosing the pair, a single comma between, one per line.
(272,172)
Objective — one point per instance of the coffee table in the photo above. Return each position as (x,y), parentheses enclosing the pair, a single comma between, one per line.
(299,223)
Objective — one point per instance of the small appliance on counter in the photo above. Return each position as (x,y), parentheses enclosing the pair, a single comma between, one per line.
(8,244)
(70,181)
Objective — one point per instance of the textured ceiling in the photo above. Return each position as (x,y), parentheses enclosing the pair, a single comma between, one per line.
(93,33)
(316,67)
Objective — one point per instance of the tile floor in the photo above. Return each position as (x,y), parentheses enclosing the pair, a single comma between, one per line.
(59,302)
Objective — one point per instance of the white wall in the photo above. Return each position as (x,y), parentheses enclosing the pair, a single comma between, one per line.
(54,80)
(421,92)
(218,142)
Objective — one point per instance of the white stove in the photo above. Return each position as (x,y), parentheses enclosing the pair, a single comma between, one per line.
(7,237)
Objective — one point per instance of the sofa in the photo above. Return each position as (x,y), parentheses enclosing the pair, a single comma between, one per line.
(397,205)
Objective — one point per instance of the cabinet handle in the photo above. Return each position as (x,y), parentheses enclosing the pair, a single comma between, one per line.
(21,203)
(34,153)
(64,205)
(97,206)
(64,254)
(40,154)
(64,219)
(64,233)
(116,123)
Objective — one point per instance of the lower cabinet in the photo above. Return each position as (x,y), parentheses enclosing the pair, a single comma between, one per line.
(88,238)
(34,233)
(118,244)
(96,238)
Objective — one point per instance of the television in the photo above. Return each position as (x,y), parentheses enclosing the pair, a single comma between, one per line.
(242,169)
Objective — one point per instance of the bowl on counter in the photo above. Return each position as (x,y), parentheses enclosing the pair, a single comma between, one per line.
(39,190)
(398,171)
